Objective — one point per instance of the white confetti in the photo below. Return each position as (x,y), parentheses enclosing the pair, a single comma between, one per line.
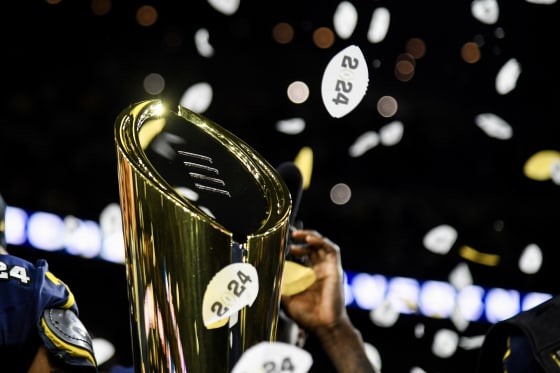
(379,25)
(188,193)
(345,19)
(232,288)
(202,43)
(531,259)
(373,355)
(227,7)
(494,126)
(391,133)
(103,350)
(460,276)
(363,143)
(471,343)
(555,172)
(445,343)
(197,97)
(459,320)
(506,79)
(385,314)
(273,357)
(440,239)
(419,330)
(291,126)
(345,81)
(486,11)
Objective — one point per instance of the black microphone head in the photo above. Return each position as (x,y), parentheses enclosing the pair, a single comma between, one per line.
(293,179)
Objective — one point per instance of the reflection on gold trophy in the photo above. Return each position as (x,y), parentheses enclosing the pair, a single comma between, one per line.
(205,222)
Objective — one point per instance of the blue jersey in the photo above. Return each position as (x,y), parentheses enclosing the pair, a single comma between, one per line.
(37,308)
(25,291)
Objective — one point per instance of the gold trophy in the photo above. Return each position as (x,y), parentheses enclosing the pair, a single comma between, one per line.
(205,223)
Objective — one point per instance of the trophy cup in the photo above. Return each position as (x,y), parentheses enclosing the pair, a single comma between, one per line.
(205,224)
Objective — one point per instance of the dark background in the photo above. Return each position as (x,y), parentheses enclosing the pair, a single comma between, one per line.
(68,73)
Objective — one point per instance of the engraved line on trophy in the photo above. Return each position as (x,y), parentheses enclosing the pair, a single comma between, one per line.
(195,155)
(196,175)
(201,166)
(211,189)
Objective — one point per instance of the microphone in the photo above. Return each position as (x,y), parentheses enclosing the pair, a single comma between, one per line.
(294,181)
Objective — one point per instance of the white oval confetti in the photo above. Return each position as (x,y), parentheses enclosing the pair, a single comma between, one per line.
(274,357)
(460,276)
(363,143)
(531,259)
(506,79)
(390,134)
(227,7)
(291,126)
(445,343)
(345,81)
(440,239)
(419,330)
(232,288)
(486,11)
(103,350)
(188,193)
(345,19)
(379,25)
(494,126)
(197,97)
(385,314)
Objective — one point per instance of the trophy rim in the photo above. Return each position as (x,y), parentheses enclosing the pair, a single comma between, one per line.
(277,195)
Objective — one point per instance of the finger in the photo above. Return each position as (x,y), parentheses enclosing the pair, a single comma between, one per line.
(300,249)
(317,242)
(300,241)
(301,234)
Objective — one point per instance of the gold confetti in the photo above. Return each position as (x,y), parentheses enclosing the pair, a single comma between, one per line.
(476,256)
(304,161)
(297,278)
(538,166)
